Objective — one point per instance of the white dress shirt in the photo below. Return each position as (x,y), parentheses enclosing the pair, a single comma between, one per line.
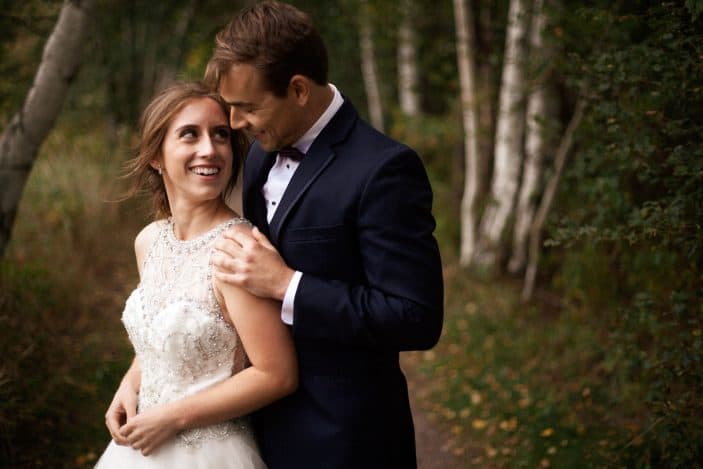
(278,178)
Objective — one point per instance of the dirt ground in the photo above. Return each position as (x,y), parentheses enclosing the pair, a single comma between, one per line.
(437,448)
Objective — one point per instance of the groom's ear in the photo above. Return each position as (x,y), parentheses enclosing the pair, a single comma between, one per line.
(300,87)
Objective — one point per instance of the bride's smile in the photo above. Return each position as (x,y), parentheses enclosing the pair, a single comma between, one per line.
(196,156)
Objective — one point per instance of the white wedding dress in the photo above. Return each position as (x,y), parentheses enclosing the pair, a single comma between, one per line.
(183,345)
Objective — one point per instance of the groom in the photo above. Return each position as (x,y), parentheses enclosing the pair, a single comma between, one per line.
(344,240)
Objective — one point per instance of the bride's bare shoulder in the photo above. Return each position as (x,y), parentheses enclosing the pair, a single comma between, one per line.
(145,239)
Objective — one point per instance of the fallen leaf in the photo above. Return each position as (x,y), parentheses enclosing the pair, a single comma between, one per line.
(479,424)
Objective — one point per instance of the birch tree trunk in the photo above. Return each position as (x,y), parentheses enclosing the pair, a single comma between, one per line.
(407,62)
(466,53)
(508,142)
(540,121)
(485,88)
(547,199)
(21,139)
(368,66)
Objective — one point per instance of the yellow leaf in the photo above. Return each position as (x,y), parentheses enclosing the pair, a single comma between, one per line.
(547,432)
(508,425)
(476,398)
(524,402)
(479,424)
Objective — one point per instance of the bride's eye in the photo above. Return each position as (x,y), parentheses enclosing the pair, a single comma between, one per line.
(222,133)
(188,133)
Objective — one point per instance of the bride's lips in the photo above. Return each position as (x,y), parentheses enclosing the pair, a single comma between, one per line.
(205,170)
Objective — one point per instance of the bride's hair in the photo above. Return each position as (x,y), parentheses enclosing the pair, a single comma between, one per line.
(153,125)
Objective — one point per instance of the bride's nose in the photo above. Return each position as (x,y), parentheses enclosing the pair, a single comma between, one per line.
(206,146)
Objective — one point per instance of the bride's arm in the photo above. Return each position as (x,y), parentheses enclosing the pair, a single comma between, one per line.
(124,404)
(273,374)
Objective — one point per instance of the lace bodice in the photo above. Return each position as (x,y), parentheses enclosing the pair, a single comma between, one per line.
(181,339)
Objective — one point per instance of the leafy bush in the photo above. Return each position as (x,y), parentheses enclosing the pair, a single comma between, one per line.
(63,280)
(632,203)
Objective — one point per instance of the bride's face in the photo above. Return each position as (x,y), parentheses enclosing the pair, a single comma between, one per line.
(196,156)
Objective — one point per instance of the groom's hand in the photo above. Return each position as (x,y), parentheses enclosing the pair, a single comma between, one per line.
(122,408)
(244,257)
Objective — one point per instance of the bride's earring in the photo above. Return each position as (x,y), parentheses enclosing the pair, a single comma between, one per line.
(160,171)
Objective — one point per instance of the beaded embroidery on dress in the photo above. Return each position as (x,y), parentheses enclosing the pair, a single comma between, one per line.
(184,344)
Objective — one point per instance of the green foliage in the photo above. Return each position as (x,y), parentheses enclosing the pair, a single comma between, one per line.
(630,215)
(522,386)
(64,277)
(24,27)
(695,8)
(659,343)
(439,143)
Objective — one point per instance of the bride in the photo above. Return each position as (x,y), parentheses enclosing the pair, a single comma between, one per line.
(183,400)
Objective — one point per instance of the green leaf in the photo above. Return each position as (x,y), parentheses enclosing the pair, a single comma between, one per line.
(695,7)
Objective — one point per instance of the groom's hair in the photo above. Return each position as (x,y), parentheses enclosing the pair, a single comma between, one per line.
(277,39)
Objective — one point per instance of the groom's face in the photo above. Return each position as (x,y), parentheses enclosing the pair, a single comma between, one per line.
(273,121)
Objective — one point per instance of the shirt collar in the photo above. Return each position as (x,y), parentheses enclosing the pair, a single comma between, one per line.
(305,142)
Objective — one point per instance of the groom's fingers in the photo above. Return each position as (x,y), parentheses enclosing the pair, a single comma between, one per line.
(261,238)
(223,263)
(242,236)
(231,279)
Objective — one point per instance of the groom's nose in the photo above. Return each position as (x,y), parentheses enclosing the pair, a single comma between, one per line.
(236,120)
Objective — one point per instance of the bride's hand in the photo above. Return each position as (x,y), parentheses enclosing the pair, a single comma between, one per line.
(122,408)
(148,430)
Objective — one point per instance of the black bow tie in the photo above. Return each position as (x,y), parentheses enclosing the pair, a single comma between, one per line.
(292,153)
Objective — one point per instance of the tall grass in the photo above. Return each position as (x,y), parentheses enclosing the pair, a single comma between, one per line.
(62,283)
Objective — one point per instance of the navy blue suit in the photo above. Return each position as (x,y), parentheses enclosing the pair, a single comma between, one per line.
(356,221)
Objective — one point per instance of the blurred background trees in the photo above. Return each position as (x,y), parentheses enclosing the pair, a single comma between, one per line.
(607,349)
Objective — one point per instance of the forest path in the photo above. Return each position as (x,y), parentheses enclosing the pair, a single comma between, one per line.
(436,448)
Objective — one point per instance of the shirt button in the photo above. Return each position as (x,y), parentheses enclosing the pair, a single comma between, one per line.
(273,203)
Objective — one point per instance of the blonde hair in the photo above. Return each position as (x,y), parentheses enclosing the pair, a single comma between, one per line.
(153,125)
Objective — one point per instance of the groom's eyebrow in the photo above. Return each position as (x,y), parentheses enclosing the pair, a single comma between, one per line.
(237,103)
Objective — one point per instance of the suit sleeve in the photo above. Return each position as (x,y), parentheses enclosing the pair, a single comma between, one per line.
(400,304)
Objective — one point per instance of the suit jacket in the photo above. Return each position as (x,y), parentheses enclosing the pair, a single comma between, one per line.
(356,220)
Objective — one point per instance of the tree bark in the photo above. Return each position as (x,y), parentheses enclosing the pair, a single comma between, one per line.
(368,67)
(508,144)
(408,92)
(20,142)
(547,199)
(466,53)
(540,121)
(485,88)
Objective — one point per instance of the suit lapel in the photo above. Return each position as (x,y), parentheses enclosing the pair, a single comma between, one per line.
(315,161)
(318,157)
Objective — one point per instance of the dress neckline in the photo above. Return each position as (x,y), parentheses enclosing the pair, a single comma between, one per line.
(201,238)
